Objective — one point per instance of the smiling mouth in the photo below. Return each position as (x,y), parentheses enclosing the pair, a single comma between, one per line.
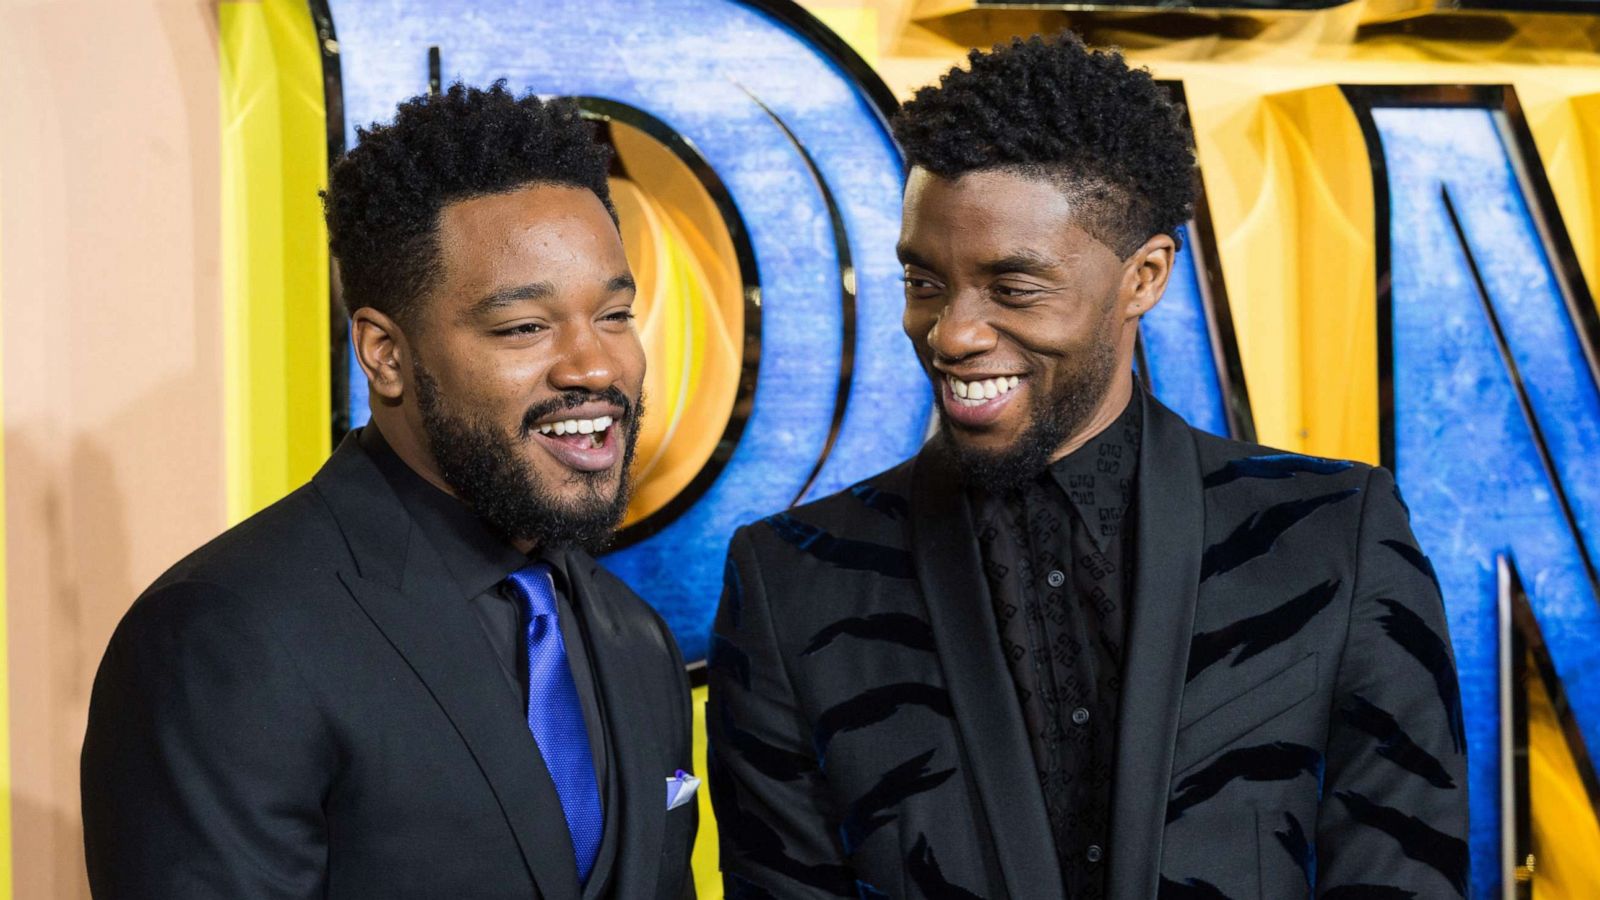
(977,393)
(977,404)
(577,429)
(586,445)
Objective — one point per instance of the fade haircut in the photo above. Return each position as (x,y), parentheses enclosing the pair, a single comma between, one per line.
(1106,134)
(384,197)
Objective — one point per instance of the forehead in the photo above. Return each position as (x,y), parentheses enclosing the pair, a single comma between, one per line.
(544,232)
(988,213)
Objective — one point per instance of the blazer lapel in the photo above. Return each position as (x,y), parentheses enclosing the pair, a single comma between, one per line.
(639,768)
(404,588)
(982,695)
(1170,530)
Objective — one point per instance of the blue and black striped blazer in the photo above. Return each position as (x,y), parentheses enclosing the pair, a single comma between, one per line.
(1289,724)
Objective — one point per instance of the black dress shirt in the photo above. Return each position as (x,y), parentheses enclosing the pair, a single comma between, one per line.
(1058,568)
(480,560)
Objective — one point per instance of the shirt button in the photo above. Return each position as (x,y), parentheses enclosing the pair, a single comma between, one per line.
(1056,578)
(1080,716)
(1094,853)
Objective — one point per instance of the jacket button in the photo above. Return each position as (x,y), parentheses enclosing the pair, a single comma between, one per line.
(1056,578)
(1080,716)
(1094,853)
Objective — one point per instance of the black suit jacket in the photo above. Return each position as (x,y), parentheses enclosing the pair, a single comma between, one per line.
(1289,714)
(304,708)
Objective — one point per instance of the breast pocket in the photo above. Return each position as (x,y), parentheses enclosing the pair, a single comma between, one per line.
(1248,710)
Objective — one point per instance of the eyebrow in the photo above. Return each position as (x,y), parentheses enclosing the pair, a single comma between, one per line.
(1024,261)
(504,297)
(539,290)
(909,257)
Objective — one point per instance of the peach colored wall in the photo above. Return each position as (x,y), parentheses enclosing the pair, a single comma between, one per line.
(110,295)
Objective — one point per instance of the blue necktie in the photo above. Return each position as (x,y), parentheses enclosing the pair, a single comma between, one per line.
(556,718)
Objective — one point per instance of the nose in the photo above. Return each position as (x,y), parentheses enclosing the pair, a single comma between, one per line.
(959,331)
(583,362)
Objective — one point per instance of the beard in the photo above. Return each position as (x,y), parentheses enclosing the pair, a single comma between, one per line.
(1052,419)
(480,462)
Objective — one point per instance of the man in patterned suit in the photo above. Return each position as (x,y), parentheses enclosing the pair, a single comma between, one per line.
(1075,648)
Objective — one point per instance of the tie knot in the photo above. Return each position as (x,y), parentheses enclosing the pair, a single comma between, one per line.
(532,582)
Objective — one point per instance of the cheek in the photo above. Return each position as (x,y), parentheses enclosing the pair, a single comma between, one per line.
(500,385)
(1056,347)
(511,376)
(1044,333)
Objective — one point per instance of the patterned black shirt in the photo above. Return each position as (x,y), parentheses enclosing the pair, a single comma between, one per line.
(1057,565)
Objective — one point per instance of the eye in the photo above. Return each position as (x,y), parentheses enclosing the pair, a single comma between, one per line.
(1016,291)
(621,315)
(1005,290)
(916,284)
(520,330)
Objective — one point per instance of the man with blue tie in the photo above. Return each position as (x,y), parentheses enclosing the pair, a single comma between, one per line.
(409,678)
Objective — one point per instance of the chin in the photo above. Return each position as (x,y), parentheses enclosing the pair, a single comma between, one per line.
(993,437)
(995,450)
(575,488)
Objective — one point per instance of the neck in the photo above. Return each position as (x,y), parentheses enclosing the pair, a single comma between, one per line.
(1111,405)
(406,439)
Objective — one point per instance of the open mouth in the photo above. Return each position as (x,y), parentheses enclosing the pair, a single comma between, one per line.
(588,445)
(980,401)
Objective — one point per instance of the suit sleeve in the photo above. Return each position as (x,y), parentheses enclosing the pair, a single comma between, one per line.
(773,816)
(205,761)
(1394,807)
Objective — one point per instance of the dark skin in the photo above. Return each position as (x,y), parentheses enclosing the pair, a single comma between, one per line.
(535,300)
(1001,281)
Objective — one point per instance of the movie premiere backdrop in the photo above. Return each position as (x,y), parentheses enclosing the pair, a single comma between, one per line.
(1415,295)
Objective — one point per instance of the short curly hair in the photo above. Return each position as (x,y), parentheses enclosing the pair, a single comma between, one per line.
(1107,134)
(384,196)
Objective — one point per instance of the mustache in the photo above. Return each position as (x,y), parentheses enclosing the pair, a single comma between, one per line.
(575,399)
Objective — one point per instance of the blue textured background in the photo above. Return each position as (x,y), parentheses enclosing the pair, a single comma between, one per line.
(1464,452)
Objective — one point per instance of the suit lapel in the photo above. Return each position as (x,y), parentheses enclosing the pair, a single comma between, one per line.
(405,589)
(1170,531)
(638,768)
(982,694)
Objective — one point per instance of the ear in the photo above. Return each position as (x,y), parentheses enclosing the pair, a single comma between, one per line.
(381,350)
(1146,273)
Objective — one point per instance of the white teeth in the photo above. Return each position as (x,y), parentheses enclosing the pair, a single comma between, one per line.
(973,393)
(577,426)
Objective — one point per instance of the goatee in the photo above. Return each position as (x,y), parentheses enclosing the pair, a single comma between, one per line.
(482,464)
(1052,420)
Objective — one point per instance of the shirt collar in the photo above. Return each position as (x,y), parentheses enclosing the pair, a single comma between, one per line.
(1099,477)
(478,557)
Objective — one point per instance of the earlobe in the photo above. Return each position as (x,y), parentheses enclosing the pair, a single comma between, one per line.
(380,350)
(1151,267)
